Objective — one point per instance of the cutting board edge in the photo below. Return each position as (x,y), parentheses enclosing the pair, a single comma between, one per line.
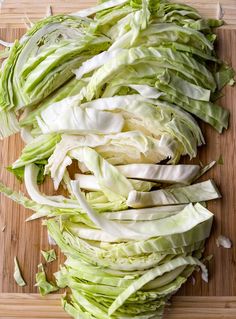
(34,306)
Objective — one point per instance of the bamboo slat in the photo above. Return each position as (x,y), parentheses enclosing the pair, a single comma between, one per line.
(33,306)
(14,12)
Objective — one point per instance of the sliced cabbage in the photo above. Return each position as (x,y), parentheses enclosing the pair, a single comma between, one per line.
(89,182)
(109,227)
(44,286)
(31,49)
(177,243)
(164,57)
(178,195)
(169,174)
(158,33)
(95,62)
(145,214)
(182,95)
(151,275)
(49,255)
(128,256)
(72,88)
(156,117)
(112,183)
(76,120)
(59,160)
(125,147)
(24,201)
(186,219)
(103,6)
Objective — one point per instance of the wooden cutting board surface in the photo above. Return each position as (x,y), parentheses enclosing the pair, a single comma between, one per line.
(217,299)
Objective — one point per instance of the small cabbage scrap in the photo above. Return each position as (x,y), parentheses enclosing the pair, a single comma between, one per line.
(49,255)
(44,286)
(223,242)
(17,274)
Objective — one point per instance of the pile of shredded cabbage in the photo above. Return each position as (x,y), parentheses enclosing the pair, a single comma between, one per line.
(117,89)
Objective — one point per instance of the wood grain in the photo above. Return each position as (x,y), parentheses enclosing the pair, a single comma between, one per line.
(33,306)
(25,240)
(201,308)
(14,13)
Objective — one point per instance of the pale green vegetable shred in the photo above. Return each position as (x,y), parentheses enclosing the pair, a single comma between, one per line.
(44,286)
(17,274)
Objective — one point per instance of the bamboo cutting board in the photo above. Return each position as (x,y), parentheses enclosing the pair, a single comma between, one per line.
(217,299)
